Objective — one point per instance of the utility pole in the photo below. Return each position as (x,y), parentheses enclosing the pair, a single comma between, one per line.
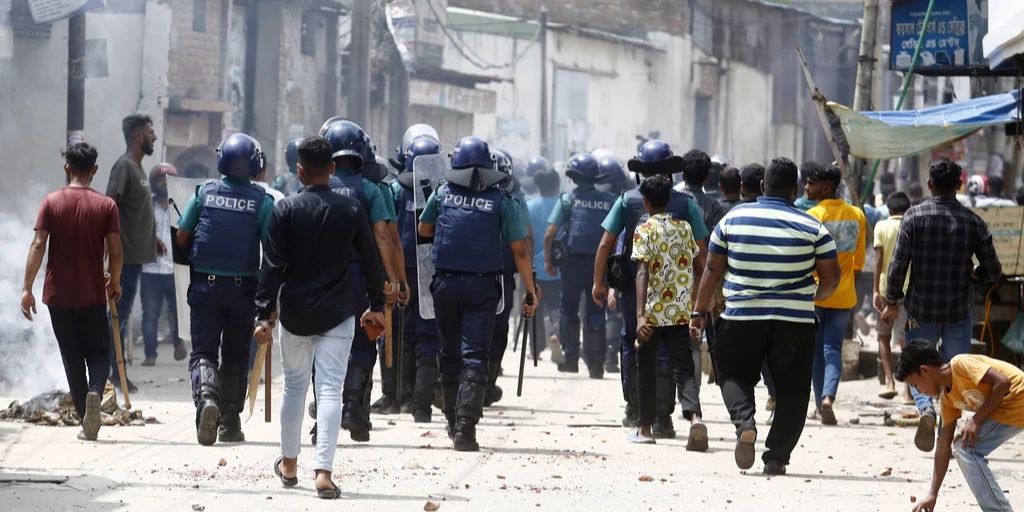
(398,100)
(543,35)
(76,79)
(865,76)
(359,69)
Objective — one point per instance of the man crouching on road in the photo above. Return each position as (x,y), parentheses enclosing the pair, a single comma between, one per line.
(307,259)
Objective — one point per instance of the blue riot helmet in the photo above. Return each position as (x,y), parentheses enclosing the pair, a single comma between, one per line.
(583,168)
(347,140)
(240,156)
(536,164)
(472,165)
(291,155)
(655,157)
(616,180)
(327,124)
(419,147)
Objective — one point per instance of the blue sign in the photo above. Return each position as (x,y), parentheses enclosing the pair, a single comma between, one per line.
(952,41)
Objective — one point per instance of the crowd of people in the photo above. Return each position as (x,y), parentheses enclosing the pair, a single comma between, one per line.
(759,264)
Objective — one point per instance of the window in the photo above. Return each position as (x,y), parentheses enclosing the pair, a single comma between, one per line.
(308,37)
(199,15)
(702,123)
(702,29)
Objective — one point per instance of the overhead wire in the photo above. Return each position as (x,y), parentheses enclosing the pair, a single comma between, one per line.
(465,50)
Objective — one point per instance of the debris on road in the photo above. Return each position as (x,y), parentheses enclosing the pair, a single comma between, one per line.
(431,506)
(56,409)
(646,478)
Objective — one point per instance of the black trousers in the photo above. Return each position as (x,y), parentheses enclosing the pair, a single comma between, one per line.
(676,340)
(739,349)
(84,343)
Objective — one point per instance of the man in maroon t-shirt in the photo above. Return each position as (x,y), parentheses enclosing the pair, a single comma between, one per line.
(76,221)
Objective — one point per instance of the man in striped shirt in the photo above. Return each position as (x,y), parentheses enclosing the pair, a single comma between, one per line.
(767,252)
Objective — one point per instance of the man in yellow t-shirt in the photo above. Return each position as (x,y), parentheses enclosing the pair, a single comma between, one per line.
(991,389)
(886,233)
(666,253)
(848,227)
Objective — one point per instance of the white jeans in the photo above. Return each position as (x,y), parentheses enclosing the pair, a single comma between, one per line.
(329,351)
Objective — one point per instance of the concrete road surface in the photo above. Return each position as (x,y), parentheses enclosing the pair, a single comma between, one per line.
(559,447)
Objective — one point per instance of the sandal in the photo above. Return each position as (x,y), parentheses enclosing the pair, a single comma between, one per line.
(285,481)
(329,494)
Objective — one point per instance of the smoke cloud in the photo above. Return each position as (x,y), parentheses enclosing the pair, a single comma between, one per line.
(29,359)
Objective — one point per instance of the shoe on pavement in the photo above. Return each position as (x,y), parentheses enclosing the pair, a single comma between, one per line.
(149,361)
(180,352)
(663,428)
(556,350)
(566,367)
(384,405)
(91,421)
(888,393)
(774,468)
(635,436)
(744,452)
(828,415)
(697,440)
(629,419)
(924,440)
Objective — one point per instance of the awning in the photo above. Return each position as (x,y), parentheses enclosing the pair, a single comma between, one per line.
(1005,37)
(892,134)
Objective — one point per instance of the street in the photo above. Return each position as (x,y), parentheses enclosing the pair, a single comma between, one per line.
(559,447)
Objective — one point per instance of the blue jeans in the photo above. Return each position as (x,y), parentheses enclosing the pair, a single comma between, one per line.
(129,286)
(828,351)
(329,352)
(974,465)
(956,340)
(154,290)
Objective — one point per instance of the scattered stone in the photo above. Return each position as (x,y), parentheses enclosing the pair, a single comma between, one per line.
(222,463)
(431,506)
(646,478)
(198,508)
(913,499)
(854,421)
(501,477)
(887,472)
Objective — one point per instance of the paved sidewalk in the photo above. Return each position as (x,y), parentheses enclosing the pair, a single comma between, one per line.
(559,447)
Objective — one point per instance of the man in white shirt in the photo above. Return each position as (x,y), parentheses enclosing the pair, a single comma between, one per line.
(157,282)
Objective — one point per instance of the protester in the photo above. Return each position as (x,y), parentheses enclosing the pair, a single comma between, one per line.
(992,390)
(730,186)
(751,176)
(886,232)
(848,227)
(804,202)
(156,287)
(128,186)
(769,309)
(665,252)
(313,236)
(936,245)
(76,221)
(992,197)
(915,193)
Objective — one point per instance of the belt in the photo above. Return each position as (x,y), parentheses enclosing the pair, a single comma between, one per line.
(214,279)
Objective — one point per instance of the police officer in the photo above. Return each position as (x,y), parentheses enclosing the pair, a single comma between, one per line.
(420,336)
(535,165)
(470,220)
(499,338)
(348,141)
(289,184)
(579,219)
(616,182)
(653,157)
(224,222)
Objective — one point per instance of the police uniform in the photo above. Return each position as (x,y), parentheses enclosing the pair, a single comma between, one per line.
(579,218)
(348,140)
(420,336)
(626,214)
(472,222)
(228,219)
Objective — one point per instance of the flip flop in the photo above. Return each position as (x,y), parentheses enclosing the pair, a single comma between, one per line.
(329,494)
(285,481)
(888,394)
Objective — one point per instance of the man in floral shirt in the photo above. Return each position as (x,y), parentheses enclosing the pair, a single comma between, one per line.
(665,252)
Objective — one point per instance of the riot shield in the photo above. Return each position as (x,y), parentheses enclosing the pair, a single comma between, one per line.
(428,173)
(180,191)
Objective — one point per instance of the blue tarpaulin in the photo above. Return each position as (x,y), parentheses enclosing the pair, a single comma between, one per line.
(892,134)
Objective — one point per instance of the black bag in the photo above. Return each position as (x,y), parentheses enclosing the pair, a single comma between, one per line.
(616,273)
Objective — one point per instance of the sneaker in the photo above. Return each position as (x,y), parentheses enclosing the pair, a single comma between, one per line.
(91,421)
(149,361)
(180,352)
(924,439)
(556,350)
(697,440)
(744,452)
(636,436)
(774,468)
